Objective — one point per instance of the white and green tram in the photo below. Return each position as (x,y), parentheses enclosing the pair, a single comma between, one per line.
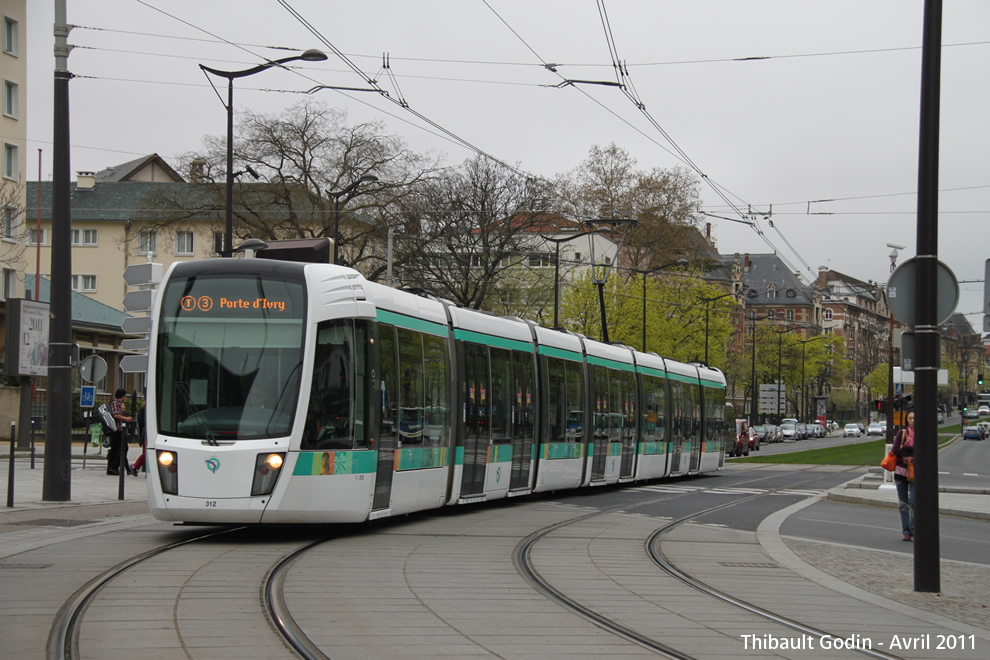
(287,392)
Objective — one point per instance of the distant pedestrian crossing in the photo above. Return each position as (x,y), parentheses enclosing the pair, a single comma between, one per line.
(679,488)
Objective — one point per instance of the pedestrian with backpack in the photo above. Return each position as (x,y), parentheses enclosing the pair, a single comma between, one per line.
(117,444)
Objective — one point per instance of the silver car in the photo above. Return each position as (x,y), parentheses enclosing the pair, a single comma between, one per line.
(851,430)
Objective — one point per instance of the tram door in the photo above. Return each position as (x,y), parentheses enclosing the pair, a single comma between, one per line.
(600,427)
(388,434)
(477,418)
(524,422)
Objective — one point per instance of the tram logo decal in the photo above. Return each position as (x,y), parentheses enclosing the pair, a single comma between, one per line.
(498,474)
(213,464)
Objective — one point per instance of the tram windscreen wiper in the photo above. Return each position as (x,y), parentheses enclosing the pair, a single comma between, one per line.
(201,425)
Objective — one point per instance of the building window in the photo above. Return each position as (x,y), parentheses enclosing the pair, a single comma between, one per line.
(9,229)
(10,165)
(218,242)
(184,242)
(827,314)
(771,292)
(84,282)
(751,314)
(541,260)
(770,315)
(147,241)
(84,237)
(10,36)
(790,315)
(9,284)
(33,236)
(10,99)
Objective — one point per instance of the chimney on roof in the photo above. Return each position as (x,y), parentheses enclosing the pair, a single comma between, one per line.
(746,263)
(823,277)
(85,180)
(196,170)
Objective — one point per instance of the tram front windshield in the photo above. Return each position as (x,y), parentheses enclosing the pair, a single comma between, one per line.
(229,357)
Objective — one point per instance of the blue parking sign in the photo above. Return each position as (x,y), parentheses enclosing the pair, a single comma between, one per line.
(88,396)
(898,389)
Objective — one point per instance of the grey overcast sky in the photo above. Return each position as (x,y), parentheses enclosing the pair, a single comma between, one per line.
(810,106)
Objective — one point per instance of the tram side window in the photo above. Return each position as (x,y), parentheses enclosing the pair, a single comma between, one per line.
(575,401)
(627,385)
(437,392)
(411,387)
(501,396)
(656,409)
(335,419)
(389,409)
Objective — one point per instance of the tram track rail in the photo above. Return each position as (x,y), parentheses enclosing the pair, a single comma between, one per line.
(522,559)
(63,637)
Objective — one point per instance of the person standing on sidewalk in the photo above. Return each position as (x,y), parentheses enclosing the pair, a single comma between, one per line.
(904,476)
(117,443)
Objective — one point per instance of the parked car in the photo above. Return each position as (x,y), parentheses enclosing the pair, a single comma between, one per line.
(788,432)
(972,433)
(851,430)
(875,429)
(985,428)
(941,417)
(754,439)
(818,430)
(802,431)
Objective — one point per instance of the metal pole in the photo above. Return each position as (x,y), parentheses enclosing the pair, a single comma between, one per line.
(388,260)
(601,303)
(10,468)
(556,287)
(752,407)
(780,372)
(228,232)
(706,331)
(57,485)
(926,546)
(644,313)
(336,228)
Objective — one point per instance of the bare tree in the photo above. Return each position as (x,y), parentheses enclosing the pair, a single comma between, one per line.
(471,228)
(12,210)
(302,157)
(665,202)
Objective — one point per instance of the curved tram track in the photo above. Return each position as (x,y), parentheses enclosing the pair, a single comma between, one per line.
(64,635)
(523,560)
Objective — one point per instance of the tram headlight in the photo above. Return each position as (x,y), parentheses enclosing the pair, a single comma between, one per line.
(266,470)
(168,471)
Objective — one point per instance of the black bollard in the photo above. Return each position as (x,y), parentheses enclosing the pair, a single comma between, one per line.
(10,471)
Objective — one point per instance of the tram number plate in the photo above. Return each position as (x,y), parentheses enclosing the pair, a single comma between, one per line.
(211,504)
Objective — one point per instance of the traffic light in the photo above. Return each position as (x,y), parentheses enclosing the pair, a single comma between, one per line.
(880,404)
(979,379)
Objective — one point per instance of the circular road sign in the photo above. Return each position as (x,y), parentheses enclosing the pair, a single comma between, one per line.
(902,292)
(93,368)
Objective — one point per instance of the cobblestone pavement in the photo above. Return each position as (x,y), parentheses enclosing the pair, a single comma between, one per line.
(965,588)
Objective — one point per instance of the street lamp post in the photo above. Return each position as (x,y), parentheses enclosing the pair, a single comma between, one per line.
(556,269)
(804,398)
(708,301)
(367,178)
(780,366)
(653,271)
(311,55)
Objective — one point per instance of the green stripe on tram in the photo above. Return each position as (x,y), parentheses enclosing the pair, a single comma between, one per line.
(652,448)
(683,379)
(491,340)
(403,321)
(560,450)
(418,458)
(650,371)
(611,364)
(319,463)
(550,351)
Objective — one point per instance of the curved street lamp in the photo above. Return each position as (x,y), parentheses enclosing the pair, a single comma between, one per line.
(556,269)
(367,178)
(654,271)
(708,301)
(311,55)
